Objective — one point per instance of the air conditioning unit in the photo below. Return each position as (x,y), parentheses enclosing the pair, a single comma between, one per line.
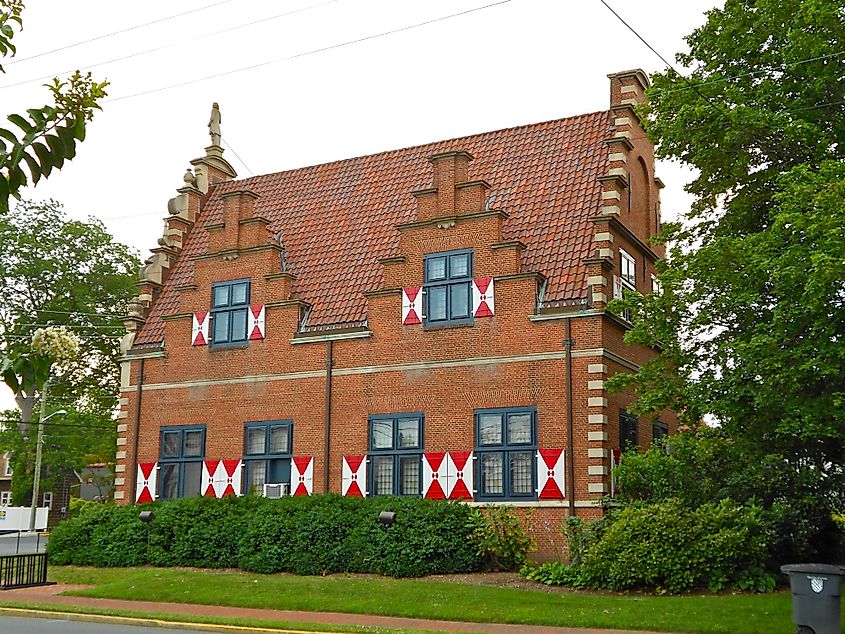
(277,490)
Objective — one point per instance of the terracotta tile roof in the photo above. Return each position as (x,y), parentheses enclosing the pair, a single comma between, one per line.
(338,218)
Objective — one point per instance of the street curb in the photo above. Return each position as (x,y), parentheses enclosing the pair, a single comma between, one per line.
(128,620)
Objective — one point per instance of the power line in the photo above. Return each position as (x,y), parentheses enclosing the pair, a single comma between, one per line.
(307,53)
(226,143)
(664,60)
(126,30)
(68,326)
(156,49)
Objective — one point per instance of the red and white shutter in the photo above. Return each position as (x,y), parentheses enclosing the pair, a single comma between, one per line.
(459,475)
(145,484)
(434,480)
(412,299)
(227,478)
(617,287)
(354,476)
(256,322)
(302,475)
(199,331)
(550,474)
(209,469)
(483,304)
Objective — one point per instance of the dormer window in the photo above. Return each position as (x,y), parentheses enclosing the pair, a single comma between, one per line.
(448,282)
(229,312)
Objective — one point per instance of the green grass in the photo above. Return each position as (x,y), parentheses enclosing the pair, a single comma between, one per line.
(707,613)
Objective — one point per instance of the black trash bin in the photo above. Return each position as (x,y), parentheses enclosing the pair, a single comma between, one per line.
(816,589)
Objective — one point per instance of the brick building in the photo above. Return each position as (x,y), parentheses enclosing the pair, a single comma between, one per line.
(424,321)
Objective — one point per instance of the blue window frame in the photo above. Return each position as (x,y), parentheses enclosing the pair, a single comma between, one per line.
(229,312)
(448,287)
(267,453)
(506,451)
(395,448)
(181,452)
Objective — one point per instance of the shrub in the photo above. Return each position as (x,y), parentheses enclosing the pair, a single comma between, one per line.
(670,547)
(553,573)
(501,540)
(304,535)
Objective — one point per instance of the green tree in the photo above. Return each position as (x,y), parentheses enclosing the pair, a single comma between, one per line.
(62,272)
(66,272)
(752,318)
(48,135)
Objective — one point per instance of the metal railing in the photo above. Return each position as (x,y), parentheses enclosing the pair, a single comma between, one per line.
(21,571)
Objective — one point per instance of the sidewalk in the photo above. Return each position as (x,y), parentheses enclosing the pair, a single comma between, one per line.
(50,594)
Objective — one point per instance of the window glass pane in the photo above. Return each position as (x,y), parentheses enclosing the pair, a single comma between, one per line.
(409,433)
(437,303)
(382,434)
(382,475)
(409,475)
(240,293)
(519,429)
(221,326)
(460,300)
(492,474)
(221,296)
(193,443)
(521,481)
(435,269)
(255,440)
(170,444)
(490,429)
(256,476)
(458,266)
(238,325)
(169,475)
(280,439)
(193,479)
(279,471)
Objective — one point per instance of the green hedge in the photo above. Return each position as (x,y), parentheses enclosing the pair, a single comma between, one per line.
(321,534)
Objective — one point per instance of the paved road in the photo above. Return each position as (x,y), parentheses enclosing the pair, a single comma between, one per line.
(9,544)
(28,625)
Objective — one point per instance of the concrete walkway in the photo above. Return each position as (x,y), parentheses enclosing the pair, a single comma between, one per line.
(51,595)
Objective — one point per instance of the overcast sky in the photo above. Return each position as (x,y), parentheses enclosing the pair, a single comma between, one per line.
(301,82)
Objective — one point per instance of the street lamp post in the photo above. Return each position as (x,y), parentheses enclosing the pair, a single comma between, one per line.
(36,479)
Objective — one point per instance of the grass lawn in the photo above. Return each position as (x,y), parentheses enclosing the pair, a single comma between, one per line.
(735,614)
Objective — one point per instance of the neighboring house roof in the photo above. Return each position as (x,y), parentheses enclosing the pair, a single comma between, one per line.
(338,219)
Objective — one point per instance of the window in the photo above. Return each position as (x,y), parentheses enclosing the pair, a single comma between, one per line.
(655,285)
(659,431)
(229,312)
(448,280)
(506,448)
(8,460)
(627,430)
(396,443)
(182,451)
(267,453)
(5,498)
(628,268)
(47,500)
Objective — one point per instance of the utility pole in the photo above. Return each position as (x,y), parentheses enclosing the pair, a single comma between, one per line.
(36,477)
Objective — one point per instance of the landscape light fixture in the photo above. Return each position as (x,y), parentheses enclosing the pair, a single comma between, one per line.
(146,516)
(386,518)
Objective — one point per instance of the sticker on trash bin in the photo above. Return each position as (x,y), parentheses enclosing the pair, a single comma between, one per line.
(817,583)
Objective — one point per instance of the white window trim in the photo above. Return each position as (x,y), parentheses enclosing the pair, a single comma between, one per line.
(47,500)
(625,257)
(5,498)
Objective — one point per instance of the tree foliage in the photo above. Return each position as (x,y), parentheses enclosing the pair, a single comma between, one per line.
(63,272)
(47,136)
(752,318)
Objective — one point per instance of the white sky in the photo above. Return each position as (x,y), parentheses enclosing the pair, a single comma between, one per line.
(514,63)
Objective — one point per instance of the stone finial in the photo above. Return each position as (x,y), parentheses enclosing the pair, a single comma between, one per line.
(189,178)
(214,124)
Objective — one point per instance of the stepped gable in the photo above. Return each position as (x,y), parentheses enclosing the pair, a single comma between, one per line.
(338,219)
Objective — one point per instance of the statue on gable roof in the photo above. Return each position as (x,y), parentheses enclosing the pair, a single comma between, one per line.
(214,124)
